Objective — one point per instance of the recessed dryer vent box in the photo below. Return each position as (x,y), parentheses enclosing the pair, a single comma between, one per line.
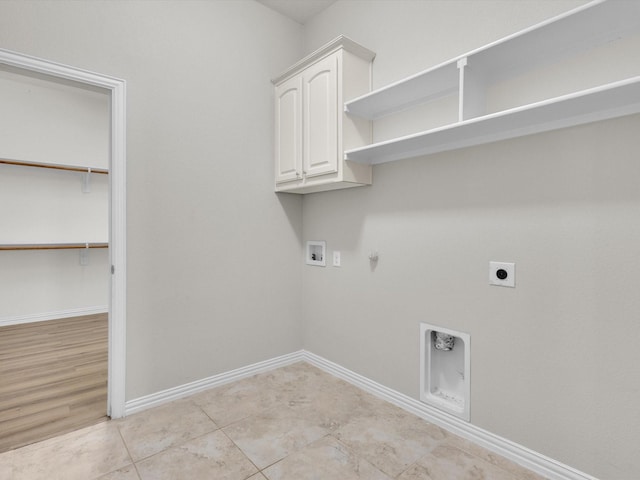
(445,379)
(315,253)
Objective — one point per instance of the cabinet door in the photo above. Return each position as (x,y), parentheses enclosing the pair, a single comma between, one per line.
(320,93)
(288,135)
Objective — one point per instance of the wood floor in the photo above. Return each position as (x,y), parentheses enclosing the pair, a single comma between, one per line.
(53,378)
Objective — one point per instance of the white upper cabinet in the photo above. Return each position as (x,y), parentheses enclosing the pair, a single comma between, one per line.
(311,128)
(576,68)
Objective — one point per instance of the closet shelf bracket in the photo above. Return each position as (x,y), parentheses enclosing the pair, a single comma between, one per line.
(86,181)
(84,254)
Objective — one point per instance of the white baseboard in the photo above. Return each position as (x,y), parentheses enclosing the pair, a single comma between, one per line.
(44,316)
(171,394)
(529,459)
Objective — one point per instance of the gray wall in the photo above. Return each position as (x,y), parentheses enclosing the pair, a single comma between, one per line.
(553,366)
(213,255)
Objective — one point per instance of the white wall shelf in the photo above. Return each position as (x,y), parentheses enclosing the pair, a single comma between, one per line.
(610,101)
(470,76)
(434,83)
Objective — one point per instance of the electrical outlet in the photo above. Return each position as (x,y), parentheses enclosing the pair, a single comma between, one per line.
(502,274)
(336,258)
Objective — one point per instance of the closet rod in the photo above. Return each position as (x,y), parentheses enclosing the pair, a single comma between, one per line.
(71,168)
(53,246)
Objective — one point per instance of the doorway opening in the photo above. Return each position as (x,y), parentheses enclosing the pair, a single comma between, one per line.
(62,248)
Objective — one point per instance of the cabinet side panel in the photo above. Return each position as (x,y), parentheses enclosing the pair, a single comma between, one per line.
(356,132)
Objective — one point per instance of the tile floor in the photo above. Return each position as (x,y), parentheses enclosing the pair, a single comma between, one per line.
(293,423)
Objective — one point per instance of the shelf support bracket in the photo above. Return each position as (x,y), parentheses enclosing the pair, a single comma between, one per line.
(462,63)
(84,255)
(86,181)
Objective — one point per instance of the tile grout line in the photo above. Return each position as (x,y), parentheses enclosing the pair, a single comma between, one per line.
(221,429)
(360,458)
(135,467)
(177,444)
(242,451)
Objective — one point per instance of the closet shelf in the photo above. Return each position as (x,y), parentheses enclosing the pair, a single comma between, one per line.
(55,166)
(600,103)
(52,246)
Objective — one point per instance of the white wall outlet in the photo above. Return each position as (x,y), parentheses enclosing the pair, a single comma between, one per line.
(336,258)
(502,274)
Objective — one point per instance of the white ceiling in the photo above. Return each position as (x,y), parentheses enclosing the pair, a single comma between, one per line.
(298,10)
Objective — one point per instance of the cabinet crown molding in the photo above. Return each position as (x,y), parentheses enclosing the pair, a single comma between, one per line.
(340,42)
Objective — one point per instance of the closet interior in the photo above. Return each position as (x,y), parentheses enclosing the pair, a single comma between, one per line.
(54,256)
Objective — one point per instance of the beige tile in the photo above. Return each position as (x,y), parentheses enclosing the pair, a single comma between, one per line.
(270,436)
(212,456)
(420,472)
(283,386)
(6,464)
(236,401)
(326,459)
(516,470)
(157,429)
(519,472)
(83,454)
(126,473)
(390,438)
(333,403)
(446,462)
(300,379)
(257,476)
